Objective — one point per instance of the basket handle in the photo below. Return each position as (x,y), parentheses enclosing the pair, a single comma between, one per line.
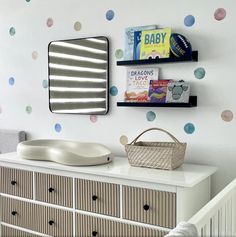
(159,129)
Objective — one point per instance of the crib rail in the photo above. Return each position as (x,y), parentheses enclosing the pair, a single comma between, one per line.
(218,217)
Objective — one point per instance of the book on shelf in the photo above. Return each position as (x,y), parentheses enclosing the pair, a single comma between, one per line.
(129,39)
(137,45)
(155,43)
(158,90)
(138,81)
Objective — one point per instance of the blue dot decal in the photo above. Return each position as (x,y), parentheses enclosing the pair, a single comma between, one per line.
(150,116)
(110,15)
(189,20)
(199,73)
(57,127)
(12,31)
(113,91)
(189,128)
(11,81)
(45,84)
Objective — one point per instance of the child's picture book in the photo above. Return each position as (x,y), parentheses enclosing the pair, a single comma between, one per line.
(137,44)
(129,39)
(155,43)
(138,83)
(158,90)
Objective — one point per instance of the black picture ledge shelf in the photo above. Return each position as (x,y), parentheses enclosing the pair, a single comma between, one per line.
(191,58)
(192,103)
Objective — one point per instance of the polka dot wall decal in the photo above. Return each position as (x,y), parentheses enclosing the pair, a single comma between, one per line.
(199,73)
(150,116)
(45,84)
(77,26)
(0,110)
(11,81)
(57,127)
(119,53)
(34,55)
(220,14)
(27,0)
(93,118)
(110,15)
(12,31)
(123,140)
(113,91)
(49,22)
(189,128)
(28,109)
(227,115)
(189,20)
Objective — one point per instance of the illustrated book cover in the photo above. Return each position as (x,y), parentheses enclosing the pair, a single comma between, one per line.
(138,80)
(158,90)
(129,39)
(155,43)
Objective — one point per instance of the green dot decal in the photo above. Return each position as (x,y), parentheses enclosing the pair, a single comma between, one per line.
(119,53)
(28,109)
(199,73)
(0,110)
(123,140)
(227,115)
(12,31)
(77,26)
(189,128)
(150,116)
(57,127)
(113,91)
(45,84)
(27,0)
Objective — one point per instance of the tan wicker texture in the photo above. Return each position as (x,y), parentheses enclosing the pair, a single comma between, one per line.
(159,155)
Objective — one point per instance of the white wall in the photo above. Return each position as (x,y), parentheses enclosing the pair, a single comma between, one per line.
(213,141)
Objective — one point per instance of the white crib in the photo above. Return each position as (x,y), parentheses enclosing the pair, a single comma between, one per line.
(218,217)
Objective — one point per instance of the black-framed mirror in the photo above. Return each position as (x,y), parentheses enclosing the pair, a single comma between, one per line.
(78,71)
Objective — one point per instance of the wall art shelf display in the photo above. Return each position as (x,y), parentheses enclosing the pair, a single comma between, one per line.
(192,58)
(192,103)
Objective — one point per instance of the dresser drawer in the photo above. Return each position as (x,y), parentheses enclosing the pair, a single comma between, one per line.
(16,182)
(54,189)
(99,197)
(149,206)
(11,232)
(47,220)
(87,226)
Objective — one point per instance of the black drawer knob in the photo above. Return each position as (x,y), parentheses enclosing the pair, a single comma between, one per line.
(13,182)
(146,207)
(13,213)
(51,222)
(94,197)
(94,233)
(50,190)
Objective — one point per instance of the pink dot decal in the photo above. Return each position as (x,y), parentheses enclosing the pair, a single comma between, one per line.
(49,22)
(227,115)
(93,118)
(220,14)
(34,55)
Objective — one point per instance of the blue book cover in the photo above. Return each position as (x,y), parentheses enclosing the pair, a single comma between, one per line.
(129,39)
(137,44)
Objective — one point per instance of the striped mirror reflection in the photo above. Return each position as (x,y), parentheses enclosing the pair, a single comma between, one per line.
(78,75)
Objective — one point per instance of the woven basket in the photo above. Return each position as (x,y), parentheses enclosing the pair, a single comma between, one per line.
(159,155)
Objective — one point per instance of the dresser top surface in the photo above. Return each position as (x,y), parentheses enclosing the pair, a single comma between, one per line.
(188,175)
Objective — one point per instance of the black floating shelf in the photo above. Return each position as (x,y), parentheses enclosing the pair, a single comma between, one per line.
(191,58)
(192,103)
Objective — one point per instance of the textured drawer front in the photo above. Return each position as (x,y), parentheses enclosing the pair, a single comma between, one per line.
(11,232)
(149,206)
(47,220)
(98,197)
(16,182)
(87,226)
(54,189)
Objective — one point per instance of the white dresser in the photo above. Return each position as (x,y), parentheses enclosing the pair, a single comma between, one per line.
(40,198)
